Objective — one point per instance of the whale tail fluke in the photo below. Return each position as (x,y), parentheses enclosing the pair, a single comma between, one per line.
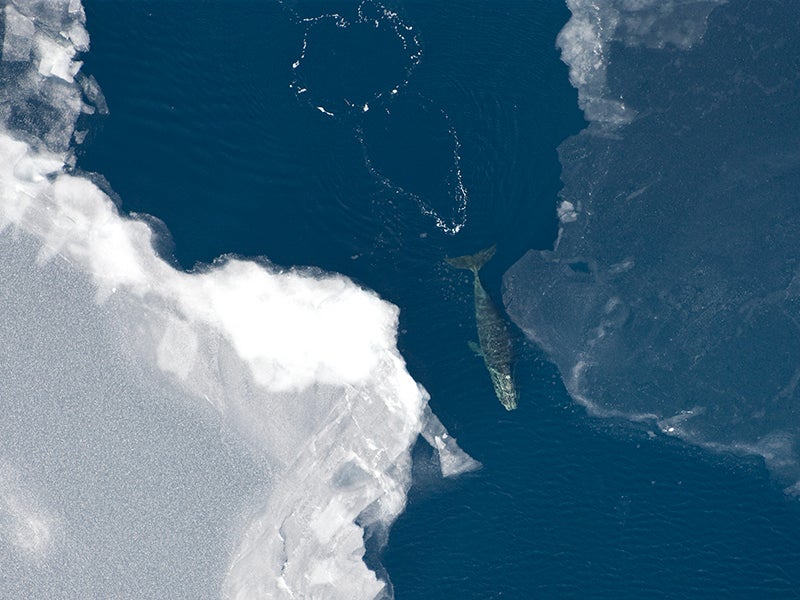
(473,262)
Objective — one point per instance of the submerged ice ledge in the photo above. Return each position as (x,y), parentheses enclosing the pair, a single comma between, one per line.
(586,45)
(670,296)
(301,366)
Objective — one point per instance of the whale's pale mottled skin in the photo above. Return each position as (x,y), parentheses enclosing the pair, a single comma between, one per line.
(496,346)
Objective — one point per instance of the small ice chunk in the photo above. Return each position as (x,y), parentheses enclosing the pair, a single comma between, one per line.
(78,35)
(55,59)
(93,93)
(452,459)
(566,212)
(76,8)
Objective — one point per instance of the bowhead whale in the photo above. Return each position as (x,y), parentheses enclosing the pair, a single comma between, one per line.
(495,347)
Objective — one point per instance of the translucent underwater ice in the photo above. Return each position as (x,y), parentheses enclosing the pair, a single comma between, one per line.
(671,294)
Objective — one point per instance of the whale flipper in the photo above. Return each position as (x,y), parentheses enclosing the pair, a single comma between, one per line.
(476,348)
(473,262)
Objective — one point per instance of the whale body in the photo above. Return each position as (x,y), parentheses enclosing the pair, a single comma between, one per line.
(496,346)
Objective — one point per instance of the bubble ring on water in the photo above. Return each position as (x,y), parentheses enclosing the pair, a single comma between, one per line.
(458,219)
(368,12)
(376,14)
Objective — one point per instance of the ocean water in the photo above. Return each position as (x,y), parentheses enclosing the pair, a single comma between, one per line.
(373,140)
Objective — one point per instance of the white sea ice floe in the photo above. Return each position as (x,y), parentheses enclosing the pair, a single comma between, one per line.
(18,36)
(303,366)
(233,430)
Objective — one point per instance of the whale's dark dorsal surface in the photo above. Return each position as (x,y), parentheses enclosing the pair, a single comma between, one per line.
(493,334)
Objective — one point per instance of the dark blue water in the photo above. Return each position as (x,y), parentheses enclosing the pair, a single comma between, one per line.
(209,133)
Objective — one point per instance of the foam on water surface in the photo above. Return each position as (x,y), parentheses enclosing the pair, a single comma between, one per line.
(228,431)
